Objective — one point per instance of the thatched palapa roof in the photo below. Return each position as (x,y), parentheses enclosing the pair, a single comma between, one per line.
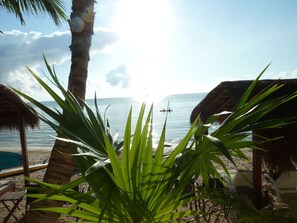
(11,107)
(225,96)
(16,114)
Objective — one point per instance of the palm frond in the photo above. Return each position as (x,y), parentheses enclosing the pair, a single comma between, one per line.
(54,8)
(140,184)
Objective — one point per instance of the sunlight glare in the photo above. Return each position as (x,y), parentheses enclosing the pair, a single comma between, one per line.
(150,83)
(148,96)
(144,28)
(143,24)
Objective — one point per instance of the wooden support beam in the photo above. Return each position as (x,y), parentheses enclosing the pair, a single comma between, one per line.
(24,148)
(257,177)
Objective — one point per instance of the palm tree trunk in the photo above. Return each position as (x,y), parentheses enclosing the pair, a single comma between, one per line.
(60,168)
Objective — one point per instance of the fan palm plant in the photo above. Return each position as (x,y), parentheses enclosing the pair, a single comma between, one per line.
(235,132)
(139,184)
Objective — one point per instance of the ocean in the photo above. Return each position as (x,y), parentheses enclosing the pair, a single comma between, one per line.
(118,108)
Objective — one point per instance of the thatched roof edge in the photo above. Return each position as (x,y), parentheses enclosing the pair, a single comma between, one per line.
(12,107)
(225,96)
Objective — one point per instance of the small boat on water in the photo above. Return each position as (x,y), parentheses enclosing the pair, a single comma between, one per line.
(166,110)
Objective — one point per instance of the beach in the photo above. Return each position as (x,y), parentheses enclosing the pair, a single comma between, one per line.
(38,156)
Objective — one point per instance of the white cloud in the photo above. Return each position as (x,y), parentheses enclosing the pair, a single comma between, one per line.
(105,90)
(287,74)
(294,73)
(20,78)
(280,74)
(19,49)
(118,76)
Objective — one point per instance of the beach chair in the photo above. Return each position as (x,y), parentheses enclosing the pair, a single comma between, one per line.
(285,184)
(6,186)
(11,201)
(285,189)
(241,183)
(242,178)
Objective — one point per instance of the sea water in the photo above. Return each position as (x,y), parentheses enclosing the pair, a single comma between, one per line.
(116,111)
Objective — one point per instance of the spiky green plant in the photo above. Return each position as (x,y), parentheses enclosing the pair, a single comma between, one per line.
(234,134)
(139,185)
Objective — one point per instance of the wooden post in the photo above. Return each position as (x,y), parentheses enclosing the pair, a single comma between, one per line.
(257,177)
(24,148)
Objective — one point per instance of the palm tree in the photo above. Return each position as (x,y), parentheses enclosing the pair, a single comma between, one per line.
(60,168)
(81,26)
(83,14)
(54,8)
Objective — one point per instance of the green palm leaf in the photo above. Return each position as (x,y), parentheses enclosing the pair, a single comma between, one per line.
(54,8)
(141,184)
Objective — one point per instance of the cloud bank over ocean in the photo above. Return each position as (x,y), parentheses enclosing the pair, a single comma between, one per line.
(20,49)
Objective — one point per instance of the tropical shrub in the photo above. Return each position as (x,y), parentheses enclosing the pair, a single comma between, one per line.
(134,182)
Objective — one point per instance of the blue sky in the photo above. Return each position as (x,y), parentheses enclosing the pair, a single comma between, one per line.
(151,48)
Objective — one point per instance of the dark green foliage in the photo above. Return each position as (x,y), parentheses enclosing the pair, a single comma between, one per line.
(139,184)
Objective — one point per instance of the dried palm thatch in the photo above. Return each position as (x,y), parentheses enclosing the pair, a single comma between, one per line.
(15,114)
(11,108)
(281,154)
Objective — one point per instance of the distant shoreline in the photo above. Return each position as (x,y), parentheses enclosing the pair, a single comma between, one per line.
(178,122)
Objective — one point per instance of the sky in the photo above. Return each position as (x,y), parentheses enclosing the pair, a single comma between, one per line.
(152,48)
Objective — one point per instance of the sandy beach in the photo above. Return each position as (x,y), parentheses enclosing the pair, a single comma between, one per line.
(38,156)
(35,157)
